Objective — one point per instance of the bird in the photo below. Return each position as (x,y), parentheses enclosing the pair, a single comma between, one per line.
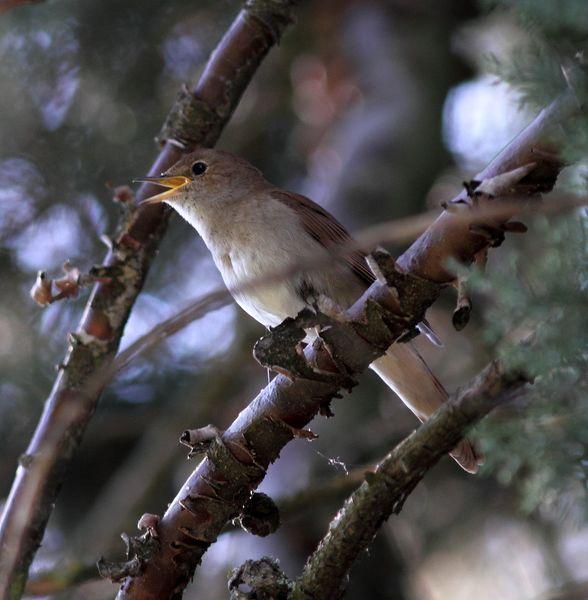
(254,229)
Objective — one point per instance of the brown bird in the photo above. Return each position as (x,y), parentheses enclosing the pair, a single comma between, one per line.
(254,229)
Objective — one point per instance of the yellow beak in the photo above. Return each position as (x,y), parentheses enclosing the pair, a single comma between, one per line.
(172,183)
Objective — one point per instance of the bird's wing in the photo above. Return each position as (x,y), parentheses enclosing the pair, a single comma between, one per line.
(326,230)
(402,367)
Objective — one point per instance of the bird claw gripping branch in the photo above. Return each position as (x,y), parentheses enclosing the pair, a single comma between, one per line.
(281,349)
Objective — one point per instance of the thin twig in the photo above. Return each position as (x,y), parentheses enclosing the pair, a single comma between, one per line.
(54,581)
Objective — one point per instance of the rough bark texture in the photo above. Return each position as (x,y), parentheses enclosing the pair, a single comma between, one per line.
(236,462)
(71,404)
(451,237)
(384,492)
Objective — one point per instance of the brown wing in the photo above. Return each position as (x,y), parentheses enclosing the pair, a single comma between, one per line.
(326,230)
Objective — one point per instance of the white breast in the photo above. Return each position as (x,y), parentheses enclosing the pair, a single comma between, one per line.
(269,303)
(257,240)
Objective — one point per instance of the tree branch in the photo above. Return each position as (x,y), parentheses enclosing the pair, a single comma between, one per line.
(396,231)
(385,491)
(52,581)
(236,461)
(451,237)
(199,118)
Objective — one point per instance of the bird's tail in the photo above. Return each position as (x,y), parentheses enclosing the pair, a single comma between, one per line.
(403,369)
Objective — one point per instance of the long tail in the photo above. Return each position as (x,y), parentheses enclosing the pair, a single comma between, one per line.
(403,369)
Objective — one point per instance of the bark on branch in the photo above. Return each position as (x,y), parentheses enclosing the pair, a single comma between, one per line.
(384,491)
(451,237)
(237,461)
(202,113)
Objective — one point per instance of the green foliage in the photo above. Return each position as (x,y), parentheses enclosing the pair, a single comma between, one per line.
(541,292)
(536,319)
(553,54)
(551,58)
(534,69)
(556,19)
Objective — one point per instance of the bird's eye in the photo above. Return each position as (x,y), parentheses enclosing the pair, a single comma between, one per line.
(199,167)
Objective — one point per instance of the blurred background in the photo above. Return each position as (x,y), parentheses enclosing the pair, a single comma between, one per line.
(377,109)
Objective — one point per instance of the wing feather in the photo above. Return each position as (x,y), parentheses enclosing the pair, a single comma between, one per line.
(326,230)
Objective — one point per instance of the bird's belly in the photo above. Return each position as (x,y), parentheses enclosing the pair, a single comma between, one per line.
(270,306)
(269,303)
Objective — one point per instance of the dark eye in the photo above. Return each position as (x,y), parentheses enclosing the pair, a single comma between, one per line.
(199,167)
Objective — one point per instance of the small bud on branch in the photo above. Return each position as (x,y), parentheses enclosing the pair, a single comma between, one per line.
(67,286)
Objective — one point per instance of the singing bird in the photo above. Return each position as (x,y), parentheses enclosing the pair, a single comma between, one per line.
(254,229)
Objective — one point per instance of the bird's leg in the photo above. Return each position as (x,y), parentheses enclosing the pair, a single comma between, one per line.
(327,306)
(267,369)
(321,304)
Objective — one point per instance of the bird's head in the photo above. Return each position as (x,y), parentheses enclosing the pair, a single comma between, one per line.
(204,177)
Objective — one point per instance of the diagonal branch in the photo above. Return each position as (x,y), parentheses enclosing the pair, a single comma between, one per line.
(59,579)
(383,492)
(450,237)
(236,461)
(198,119)
(397,231)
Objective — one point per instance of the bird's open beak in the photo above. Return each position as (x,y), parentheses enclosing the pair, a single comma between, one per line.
(172,183)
